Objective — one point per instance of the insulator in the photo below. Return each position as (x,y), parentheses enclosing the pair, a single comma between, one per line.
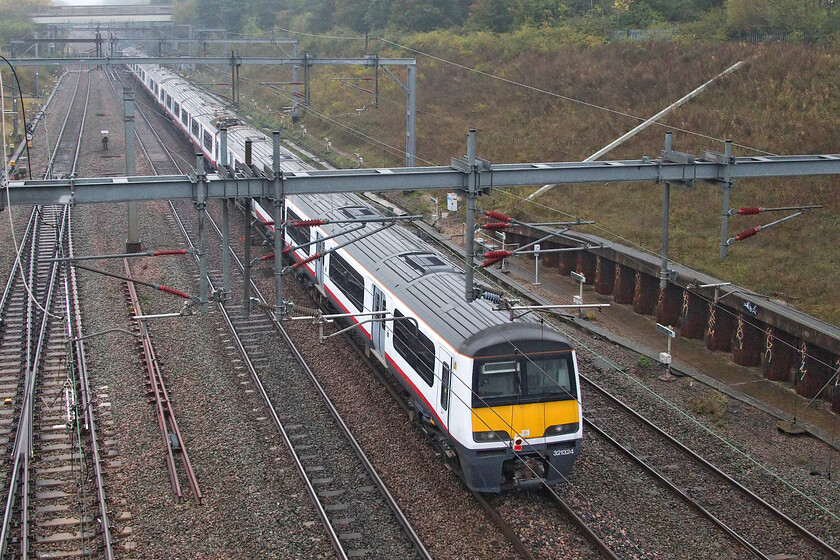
(492,261)
(496,254)
(268,257)
(491,289)
(174,292)
(496,225)
(750,210)
(746,233)
(305,223)
(314,257)
(299,310)
(169,252)
(286,251)
(495,298)
(497,216)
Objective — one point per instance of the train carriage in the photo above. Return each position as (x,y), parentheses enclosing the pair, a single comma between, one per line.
(499,398)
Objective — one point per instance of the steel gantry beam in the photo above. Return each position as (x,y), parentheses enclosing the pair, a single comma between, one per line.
(455,177)
(235,61)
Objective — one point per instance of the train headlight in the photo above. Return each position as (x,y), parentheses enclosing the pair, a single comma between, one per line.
(562,429)
(484,437)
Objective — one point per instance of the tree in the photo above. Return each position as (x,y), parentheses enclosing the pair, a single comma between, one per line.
(493,15)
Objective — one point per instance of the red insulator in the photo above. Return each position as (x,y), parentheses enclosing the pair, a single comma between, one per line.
(496,254)
(307,260)
(492,261)
(268,222)
(169,252)
(174,292)
(496,225)
(749,210)
(746,233)
(286,251)
(268,257)
(305,223)
(497,216)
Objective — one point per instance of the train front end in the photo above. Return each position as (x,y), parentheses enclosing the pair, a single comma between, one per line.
(526,418)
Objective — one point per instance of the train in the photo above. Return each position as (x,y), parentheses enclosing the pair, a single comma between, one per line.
(498,398)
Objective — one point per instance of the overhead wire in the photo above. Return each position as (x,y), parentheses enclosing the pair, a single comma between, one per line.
(563,97)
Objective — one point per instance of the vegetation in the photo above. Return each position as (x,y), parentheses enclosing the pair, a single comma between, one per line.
(802,19)
(542,80)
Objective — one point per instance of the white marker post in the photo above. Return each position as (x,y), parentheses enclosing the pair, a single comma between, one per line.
(578,299)
(537,264)
(665,357)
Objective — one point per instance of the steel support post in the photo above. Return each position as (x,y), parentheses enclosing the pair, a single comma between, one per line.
(132,244)
(225,220)
(246,260)
(15,126)
(469,234)
(295,88)
(37,71)
(279,228)
(727,186)
(664,273)
(233,93)
(411,116)
(307,67)
(201,205)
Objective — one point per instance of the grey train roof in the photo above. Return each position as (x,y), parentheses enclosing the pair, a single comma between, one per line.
(417,275)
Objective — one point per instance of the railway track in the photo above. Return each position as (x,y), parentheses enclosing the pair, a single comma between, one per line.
(342,484)
(765,533)
(55,504)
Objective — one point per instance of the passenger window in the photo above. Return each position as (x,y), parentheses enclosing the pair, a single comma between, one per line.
(444,386)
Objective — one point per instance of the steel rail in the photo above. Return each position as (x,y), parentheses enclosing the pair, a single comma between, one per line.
(310,490)
(166,414)
(16,267)
(86,400)
(737,537)
(396,510)
(54,155)
(23,446)
(814,539)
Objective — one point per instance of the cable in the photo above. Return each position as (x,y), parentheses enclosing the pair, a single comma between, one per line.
(564,97)
(319,36)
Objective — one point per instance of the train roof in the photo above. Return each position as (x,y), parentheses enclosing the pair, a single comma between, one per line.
(412,270)
(419,276)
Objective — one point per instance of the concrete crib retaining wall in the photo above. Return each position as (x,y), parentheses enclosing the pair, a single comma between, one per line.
(786,344)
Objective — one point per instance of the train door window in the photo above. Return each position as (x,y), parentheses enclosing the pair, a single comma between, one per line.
(185,118)
(414,347)
(348,280)
(208,141)
(176,109)
(196,130)
(445,378)
(162,94)
(157,91)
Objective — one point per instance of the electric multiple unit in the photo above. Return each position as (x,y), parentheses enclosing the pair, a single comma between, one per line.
(499,398)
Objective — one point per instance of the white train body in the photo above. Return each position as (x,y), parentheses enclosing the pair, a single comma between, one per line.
(500,398)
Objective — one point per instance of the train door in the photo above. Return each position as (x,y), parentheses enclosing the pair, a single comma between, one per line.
(377,328)
(319,263)
(445,375)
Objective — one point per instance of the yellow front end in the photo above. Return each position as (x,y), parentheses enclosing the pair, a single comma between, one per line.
(526,420)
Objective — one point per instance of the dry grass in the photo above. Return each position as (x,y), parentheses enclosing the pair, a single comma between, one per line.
(784,101)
